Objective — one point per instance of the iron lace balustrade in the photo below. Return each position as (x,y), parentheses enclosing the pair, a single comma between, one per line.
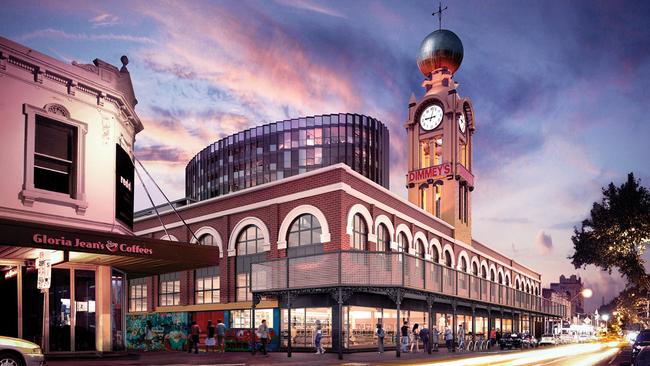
(389,269)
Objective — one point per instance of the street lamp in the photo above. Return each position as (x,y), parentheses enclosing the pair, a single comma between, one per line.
(585,293)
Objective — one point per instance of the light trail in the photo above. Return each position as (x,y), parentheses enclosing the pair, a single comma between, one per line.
(536,356)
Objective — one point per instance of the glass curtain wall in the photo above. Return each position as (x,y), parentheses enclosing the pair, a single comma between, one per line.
(282,149)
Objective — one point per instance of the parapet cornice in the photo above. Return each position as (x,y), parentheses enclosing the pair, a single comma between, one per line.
(98,80)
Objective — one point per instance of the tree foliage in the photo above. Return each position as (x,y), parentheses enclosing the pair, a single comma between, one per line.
(615,234)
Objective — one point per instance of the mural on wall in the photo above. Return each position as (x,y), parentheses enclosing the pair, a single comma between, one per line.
(169,331)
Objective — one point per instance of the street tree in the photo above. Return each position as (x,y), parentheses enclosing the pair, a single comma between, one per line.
(616,232)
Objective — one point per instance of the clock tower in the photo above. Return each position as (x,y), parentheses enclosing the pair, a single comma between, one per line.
(440,128)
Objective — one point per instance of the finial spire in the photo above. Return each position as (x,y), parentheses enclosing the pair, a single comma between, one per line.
(439,14)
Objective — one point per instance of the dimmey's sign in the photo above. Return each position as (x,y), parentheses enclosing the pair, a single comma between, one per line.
(108,246)
(434,172)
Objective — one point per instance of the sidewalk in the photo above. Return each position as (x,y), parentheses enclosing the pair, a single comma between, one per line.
(276,358)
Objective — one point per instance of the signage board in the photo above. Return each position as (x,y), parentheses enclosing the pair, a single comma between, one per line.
(434,172)
(44,266)
(124,175)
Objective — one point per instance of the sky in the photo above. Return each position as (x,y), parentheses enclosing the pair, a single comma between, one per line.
(559,89)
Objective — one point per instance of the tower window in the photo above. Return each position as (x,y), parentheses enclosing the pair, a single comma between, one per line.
(437,153)
(425,157)
(438,195)
(424,198)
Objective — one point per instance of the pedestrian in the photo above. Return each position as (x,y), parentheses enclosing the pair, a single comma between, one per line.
(318,336)
(380,338)
(405,336)
(263,333)
(461,337)
(424,336)
(498,336)
(148,337)
(221,336)
(449,338)
(210,342)
(435,338)
(415,337)
(195,331)
(493,337)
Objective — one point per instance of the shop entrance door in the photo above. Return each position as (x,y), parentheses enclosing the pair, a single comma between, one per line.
(9,303)
(72,313)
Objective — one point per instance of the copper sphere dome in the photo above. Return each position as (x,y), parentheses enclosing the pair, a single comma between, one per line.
(440,49)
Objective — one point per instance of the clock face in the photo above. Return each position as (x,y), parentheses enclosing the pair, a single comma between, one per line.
(431,117)
(462,125)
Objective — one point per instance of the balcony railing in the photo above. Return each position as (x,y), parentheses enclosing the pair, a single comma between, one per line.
(389,269)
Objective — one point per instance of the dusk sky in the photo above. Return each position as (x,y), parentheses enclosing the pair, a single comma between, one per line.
(560,90)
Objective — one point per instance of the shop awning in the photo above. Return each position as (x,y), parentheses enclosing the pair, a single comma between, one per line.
(135,255)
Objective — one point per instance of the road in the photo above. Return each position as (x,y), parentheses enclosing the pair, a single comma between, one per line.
(570,355)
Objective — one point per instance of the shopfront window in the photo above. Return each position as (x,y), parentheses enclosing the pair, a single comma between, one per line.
(138,294)
(207,285)
(304,322)
(170,289)
(84,294)
(118,284)
(242,318)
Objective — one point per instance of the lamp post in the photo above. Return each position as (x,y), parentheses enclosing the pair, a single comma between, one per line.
(585,293)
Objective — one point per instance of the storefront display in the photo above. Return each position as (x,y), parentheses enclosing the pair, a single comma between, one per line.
(239,334)
(303,326)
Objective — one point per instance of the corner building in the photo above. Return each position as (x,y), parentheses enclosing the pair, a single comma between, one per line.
(66,198)
(333,247)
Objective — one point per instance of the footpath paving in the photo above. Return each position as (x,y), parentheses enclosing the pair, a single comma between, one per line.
(275,358)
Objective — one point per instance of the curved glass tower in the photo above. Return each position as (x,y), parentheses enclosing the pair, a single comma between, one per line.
(282,149)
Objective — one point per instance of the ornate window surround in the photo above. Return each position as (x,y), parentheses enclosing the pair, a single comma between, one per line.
(29,194)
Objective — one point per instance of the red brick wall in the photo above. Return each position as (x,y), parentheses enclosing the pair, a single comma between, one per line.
(334,205)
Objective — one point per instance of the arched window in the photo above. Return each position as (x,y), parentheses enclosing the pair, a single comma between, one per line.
(448,261)
(383,238)
(402,242)
(434,254)
(359,233)
(463,265)
(474,269)
(207,239)
(304,230)
(483,272)
(500,279)
(207,281)
(250,241)
(492,275)
(507,281)
(419,249)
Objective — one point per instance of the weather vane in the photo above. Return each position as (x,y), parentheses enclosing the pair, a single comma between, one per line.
(439,13)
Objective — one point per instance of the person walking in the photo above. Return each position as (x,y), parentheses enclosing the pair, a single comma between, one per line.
(415,337)
(210,342)
(498,336)
(318,336)
(148,337)
(435,338)
(461,337)
(424,336)
(221,336)
(380,338)
(405,336)
(195,331)
(449,338)
(263,333)
(493,337)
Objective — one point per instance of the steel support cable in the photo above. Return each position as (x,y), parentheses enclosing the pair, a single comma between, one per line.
(167,199)
(151,200)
